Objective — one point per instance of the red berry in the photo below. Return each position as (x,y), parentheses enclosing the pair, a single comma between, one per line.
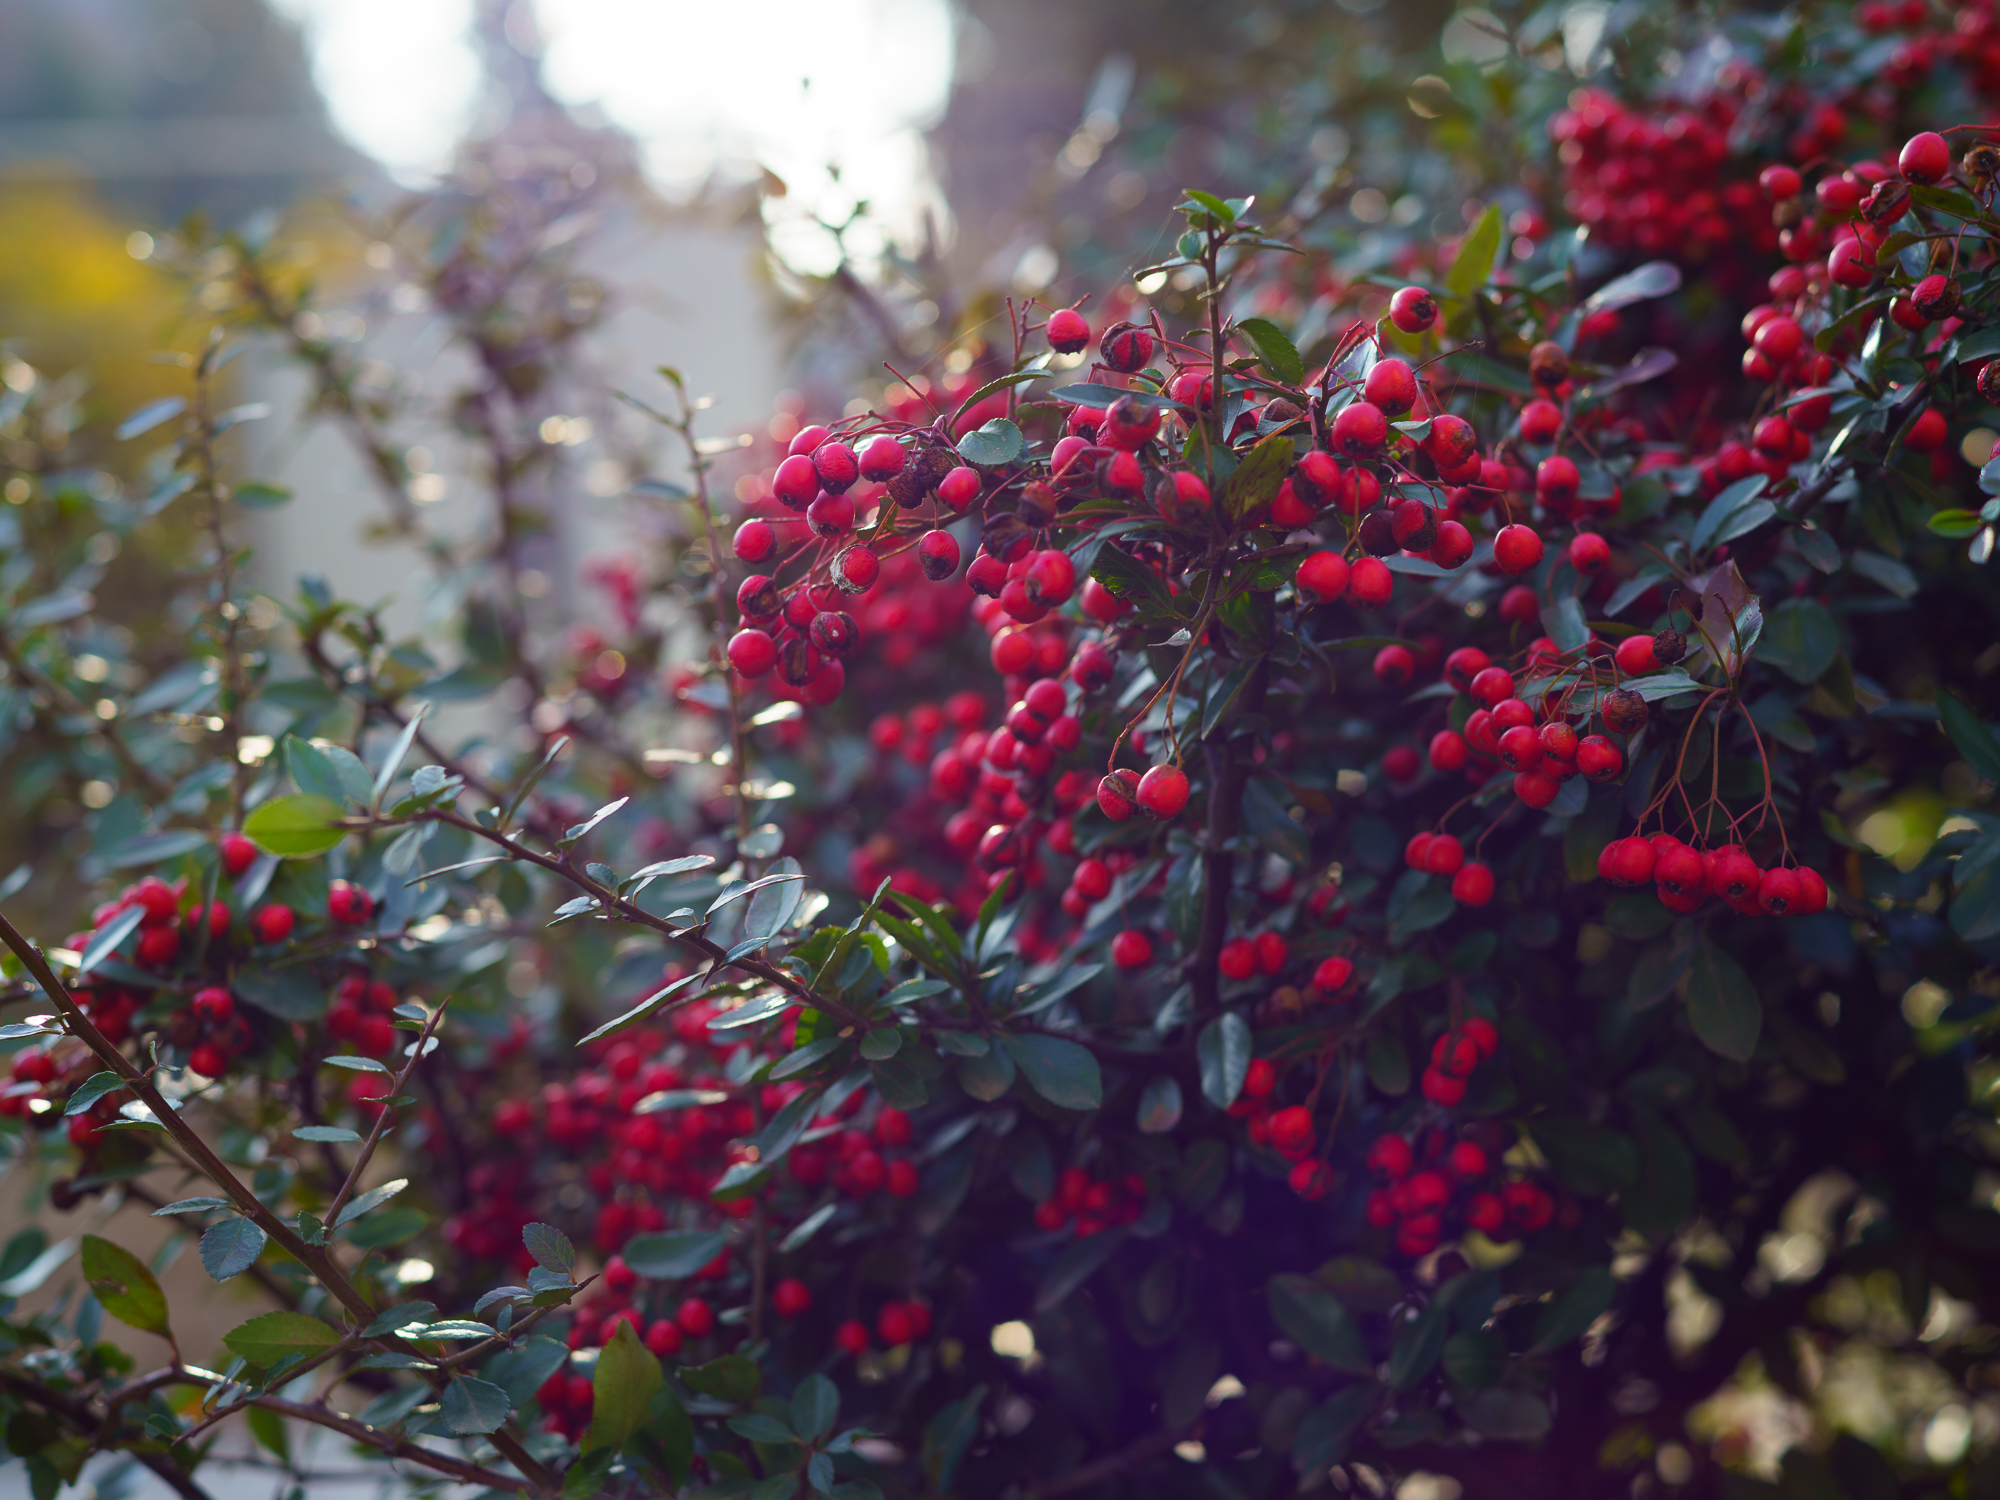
(1519,605)
(836,467)
(1516,548)
(1390,1156)
(1779,182)
(882,459)
(1332,975)
(752,652)
(1390,385)
(1589,553)
(1400,764)
(856,569)
(852,1336)
(1536,788)
(1413,309)
(1051,578)
(348,904)
(1466,1161)
(937,555)
(1238,959)
(1067,331)
(1393,665)
(1734,876)
(1851,264)
(1360,429)
(1163,791)
(1928,433)
(1492,685)
(238,853)
(1131,949)
(959,487)
(209,1060)
(1444,855)
(272,922)
(1448,751)
(213,1005)
(1452,547)
(158,946)
(1292,1131)
(1260,1078)
(1473,885)
(1598,758)
(755,540)
(1118,795)
(1322,578)
(663,1337)
(796,484)
(1627,862)
(1812,892)
(1636,657)
(696,1317)
(1925,158)
(894,1325)
(1370,583)
(791,1297)
(1556,484)
(1272,952)
(1540,421)
(1441,1088)
(1128,426)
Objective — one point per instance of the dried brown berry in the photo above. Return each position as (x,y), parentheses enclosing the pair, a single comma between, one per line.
(1624,711)
(1886,202)
(1669,646)
(1548,364)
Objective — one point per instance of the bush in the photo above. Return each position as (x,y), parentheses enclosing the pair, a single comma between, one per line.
(1444,922)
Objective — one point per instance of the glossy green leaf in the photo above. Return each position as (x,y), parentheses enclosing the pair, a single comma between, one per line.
(122,1283)
(295,827)
(627,1375)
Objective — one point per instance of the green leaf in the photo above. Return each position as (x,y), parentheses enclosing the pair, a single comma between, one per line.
(121,1282)
(733,1377)
(1800,638)
(1417,1345)
(1473,264)
(1077,1263)
(149,416)
(550,1247)
(671,1257)
(402,1315)
(1954,523)
(332,1135)
(104,942)
(1314,1319)
(229,1248)
(1975,741)
(815,1407)
(267,1339)
(1223,1052)
(1258,477)
(986,1077)
(373,1199)
(471,1405)
(1722,1004)
(1658,278)
(295,827)
(190,1206)
(1322,1438)
(1975,910)
(92,1089)
(1722,512)
(588,1477)
(1222,213)
(1275,350)
(628,1373)
(1586,1300)
(1061,1071)
(261,494)
(997,442)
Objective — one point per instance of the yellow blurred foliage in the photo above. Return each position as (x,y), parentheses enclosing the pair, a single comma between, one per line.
(73,297)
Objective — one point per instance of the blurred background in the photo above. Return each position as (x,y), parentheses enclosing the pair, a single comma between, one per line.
(771,207)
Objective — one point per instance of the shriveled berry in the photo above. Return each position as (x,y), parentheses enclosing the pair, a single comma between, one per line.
(1118,795)
(1125,347)
(1624,711)
(856,569)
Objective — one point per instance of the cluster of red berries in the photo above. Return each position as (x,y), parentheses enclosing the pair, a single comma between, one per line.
(1416,1200)
(360,1015)
(1652,182)
(1091,1204)
(1686,876)
(896,1323)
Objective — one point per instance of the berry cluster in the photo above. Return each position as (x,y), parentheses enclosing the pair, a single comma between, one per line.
(1458,1176)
